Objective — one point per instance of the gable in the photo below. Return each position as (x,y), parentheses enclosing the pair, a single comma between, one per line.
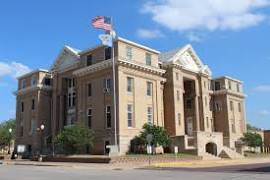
(188,59)
(67,58)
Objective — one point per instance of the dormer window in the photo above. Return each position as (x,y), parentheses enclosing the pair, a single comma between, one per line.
(33,80)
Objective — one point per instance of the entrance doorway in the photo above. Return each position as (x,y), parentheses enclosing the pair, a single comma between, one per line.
(211,148)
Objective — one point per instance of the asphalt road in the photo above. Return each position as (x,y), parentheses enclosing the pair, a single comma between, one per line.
(17,172)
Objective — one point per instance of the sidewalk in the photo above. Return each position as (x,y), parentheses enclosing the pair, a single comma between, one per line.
(112,166)
(132,165)
(211,163)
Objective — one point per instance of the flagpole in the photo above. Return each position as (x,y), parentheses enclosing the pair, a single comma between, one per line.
(114,89)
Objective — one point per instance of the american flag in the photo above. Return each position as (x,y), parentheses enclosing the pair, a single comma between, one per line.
(102,22)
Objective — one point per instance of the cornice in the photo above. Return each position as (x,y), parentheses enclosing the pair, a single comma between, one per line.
(229,92)
(33,88)
(93,68)
(141,67)
(120,62)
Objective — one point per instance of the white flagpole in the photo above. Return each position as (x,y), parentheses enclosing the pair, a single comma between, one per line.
(114,89)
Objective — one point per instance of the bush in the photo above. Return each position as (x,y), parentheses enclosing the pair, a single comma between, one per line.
(75,138)
(252,139)
(160,138)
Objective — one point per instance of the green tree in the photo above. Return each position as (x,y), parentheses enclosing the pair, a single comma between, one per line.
(74,138)
(5,135)
(252,139)
(160,136)
(252,128)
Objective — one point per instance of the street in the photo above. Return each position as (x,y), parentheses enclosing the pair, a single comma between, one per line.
(14,172)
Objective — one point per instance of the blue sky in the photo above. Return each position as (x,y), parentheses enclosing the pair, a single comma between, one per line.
(232,37)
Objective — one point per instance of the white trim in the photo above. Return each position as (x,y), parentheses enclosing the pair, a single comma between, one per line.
(138,45)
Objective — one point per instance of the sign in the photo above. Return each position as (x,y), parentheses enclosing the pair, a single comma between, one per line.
(175,150)
(21,148)
(149,149)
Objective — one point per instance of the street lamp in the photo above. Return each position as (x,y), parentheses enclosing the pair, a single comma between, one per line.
(42,127)
(9,143)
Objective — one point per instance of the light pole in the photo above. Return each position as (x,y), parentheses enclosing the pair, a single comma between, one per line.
(10,137)
(42,127)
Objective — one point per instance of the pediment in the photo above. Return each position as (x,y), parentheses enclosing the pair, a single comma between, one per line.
(189,60)
(66,58)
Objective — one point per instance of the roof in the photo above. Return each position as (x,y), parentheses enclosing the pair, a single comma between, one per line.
(138,45)
(32,72)
(166,56)
(228,77)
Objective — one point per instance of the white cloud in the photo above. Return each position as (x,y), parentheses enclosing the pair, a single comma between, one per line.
(149,33)
(262,88)
(193,37)
(183,15)
(13,69)
(264,112)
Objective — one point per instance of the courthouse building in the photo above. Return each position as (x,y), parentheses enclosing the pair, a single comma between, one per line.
(174,90)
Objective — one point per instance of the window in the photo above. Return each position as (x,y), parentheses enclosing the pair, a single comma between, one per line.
(148,59)
(179,119)
(218,106)
(32,127)
(207,122)
(89,60)
(129,84)
(89,118)
(189,103)
(129,53)
(21,128)
(238,87)
(71,83)
(107,83)
(233,126)
(108,117)
(150,115)
(108,53)
(69,100)
(33,104)
(89,89)
(73,99)
(47,81)
(178,95)
(130,115)
(23,85)
(177,76)
(239,107)
(217,86)
(22,106)
(33,80)
(149,88)
(231,105)
(230,85)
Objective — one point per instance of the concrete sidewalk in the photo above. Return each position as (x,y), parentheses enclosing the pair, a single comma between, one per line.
(211,163)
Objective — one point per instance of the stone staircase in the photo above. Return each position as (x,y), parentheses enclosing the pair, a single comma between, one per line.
(230,154)
(208,156)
